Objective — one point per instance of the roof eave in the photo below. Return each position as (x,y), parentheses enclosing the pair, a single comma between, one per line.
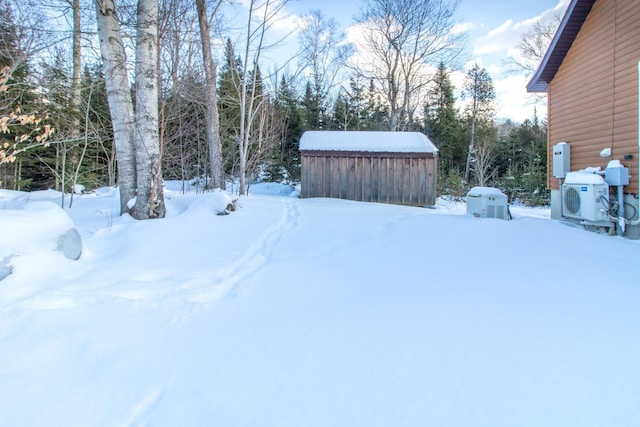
(574,17)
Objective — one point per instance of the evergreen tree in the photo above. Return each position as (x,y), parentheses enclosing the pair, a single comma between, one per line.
(357,101)
(61,158)
(442,123)
(229,107)
(345,115)
(375,115)
(20,168)
(521,161)
(100,164)
(185,136)
(312,109)
(261,124)
(288,149)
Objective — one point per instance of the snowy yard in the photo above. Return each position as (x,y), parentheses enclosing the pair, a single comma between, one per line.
(320,312)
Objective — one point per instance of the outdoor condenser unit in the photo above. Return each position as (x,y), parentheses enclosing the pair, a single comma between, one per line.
(487,202)
(584,196)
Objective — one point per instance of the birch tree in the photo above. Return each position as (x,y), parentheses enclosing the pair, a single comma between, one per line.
(138,148)
(149,192)
(323,56)
(119,97)
(77,58)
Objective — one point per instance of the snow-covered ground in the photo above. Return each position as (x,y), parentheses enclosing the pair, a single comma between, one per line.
(318,312)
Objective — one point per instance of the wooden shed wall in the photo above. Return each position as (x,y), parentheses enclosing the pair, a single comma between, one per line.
(593,99)
(398,178)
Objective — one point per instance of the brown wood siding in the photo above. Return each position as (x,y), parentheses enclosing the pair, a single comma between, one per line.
(593,99)
(398,178)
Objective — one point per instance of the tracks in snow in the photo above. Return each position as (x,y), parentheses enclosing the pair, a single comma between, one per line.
(149,287)
(257,256)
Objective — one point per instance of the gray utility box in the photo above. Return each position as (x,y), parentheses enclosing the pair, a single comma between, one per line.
(487,202)
(561,160)
(616,176)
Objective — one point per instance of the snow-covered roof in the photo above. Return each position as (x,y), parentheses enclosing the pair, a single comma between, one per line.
(369,141)
(486,192)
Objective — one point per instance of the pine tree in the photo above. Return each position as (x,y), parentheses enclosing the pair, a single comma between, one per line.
(100,164)
(185,137)
(312,108)
(289,110)
(344,116)
(229,107)
(375,116)
(521,162)
(442,123)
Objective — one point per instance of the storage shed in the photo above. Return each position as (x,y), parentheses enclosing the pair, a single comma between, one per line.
(384,167)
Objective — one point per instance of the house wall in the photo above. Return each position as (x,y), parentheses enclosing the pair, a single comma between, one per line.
(593,98)
(398,178)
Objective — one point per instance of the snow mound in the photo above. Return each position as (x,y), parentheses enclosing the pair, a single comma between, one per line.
(38,227)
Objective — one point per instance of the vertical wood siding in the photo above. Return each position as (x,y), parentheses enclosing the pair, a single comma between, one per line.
(370,177)
(593,99)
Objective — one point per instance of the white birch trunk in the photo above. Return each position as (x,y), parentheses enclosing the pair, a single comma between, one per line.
(119,96)
(149,196)
(77,64)
(243,136)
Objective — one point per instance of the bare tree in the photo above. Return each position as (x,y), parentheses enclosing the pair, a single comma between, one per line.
(483,157)
(268,12)
(322,53)
(478,91)
(213,120)
(532,46)
(400,38)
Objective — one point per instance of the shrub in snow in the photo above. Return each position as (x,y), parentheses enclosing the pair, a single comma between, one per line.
(271,172)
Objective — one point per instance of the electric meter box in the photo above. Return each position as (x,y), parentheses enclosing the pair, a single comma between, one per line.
(561,160)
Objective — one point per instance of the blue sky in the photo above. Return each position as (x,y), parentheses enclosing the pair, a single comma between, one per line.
(493,27)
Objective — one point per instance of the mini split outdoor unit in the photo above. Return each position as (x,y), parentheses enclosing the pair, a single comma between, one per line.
(487,202)
(584,197)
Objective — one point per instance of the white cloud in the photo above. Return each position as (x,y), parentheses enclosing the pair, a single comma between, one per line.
(493,47)
(503,38)
(280,18)
(463,27)
(513,101)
